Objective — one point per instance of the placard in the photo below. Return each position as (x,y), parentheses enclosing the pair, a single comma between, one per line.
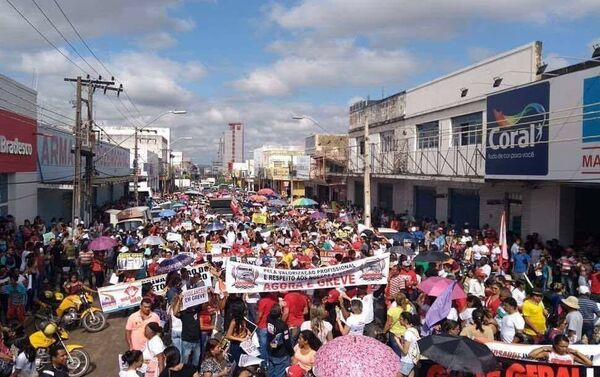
(259,218)
(120,296)
(174,237)
(246,278)
(194,296)
(130,261)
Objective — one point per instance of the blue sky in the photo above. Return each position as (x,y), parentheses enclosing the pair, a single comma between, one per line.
(259,62)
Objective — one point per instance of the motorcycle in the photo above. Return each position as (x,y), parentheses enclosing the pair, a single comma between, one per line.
(78,360)
(72,310)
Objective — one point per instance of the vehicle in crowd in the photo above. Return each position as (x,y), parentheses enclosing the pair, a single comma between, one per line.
(78,360)
(221,206)
(155,213)
(71,311)
(129,219)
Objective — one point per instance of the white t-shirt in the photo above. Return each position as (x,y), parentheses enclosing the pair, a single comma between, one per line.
(410,336)
(26,369)
(476,288)
(367,307)
(326,328)
(519,296)
(356,323)
(153,347)
(128,373)
(467,316)
(486,269)
(24,259)
(511,323)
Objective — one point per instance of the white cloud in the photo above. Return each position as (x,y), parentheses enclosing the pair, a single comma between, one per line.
(157,41)
(333,64)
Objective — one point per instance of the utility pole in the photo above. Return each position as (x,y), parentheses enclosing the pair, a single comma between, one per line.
(136,173)
(367,178)
(84,144)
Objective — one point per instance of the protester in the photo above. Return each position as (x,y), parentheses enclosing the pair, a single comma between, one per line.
(560,353)
(174,367)
(214,363)
(133,361)
(135,329)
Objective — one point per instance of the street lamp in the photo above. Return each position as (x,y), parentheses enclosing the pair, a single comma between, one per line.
(169,150)
(302,117)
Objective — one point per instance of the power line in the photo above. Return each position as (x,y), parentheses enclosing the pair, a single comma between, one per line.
(63,36)
(45,38)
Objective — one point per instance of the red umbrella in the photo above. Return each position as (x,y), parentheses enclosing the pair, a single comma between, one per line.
(266,192)
(102,243)
(258,198)
(435,286)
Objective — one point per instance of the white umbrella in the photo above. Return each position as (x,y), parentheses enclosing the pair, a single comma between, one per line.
(153,241)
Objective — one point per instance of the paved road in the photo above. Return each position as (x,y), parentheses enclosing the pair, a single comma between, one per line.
(103,347)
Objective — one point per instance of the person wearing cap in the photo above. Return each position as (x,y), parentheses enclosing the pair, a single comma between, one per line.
(589,312)
(574,318)
(534,314)
(476,286)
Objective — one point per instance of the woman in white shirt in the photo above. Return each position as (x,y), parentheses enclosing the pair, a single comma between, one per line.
(317,324)
(408,344)
(133,360)
(25,362)
(354,322)
(154,358)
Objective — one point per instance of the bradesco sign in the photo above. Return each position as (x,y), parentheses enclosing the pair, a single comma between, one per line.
(517,132)
(17,143)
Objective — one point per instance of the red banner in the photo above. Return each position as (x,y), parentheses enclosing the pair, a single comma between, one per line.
(18,147)
(513,368)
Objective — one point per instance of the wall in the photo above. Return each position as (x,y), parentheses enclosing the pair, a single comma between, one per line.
(54,203)
(22,197)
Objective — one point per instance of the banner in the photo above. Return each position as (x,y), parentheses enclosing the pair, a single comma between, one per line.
(130,261)
(521,351)
(512,368)
(159,282)
(246,278)
(120,296)
(195,296)
(259,218)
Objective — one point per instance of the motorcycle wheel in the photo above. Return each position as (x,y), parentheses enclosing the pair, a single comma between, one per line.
(94,323)
(79,363)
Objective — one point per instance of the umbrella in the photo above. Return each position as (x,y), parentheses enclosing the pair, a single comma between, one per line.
(167,213)
(130,213)
(174,264)
(356,355)
(402,250)
(304,202)
(432,256)
(266,191)
(214,227)
(294,213)
(458,353)
(284,224)
(277,203)
(345,219)
(401,236)
(102,243)
(258,198)
(317,216)
(435,286)
(153,241)
(178,205)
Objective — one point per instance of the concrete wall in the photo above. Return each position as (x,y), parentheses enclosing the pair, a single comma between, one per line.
(54,203)
(22,197)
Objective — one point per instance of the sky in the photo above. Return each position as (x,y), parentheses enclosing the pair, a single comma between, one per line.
(261,62)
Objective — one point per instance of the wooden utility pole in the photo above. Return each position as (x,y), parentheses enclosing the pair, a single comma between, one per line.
(136,172)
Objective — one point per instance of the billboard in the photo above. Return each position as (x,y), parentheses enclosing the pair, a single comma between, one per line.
(17,143)
(302,167)
(517,132)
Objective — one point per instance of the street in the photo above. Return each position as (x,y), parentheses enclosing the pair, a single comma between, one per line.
(103,347)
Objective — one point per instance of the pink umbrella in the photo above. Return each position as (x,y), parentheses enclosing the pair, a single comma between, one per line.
(265,192)
(318,216)
(102,243)
(356,356)
(435,286)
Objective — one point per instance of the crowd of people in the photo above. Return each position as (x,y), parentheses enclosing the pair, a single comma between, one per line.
(540,292)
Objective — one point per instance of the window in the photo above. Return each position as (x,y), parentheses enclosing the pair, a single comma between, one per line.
(388,143)
(361,147)
(466,129)
(428,135)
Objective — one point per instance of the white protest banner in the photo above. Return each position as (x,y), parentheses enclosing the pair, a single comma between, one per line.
(246,278)
(130,261)
(159,282)
(194,296)
(174,237)
(521,351)
(120,296)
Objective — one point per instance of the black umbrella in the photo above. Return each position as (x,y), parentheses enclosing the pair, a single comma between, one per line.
(458,353)
(431,256)
(402,250)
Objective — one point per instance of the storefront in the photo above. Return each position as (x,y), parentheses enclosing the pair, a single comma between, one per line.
(18,150)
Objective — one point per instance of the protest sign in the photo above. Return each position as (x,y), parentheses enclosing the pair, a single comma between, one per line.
(120,296)
(259,218)
(130,261)
(159,282)
(194,296)
(246,278)
(174,237)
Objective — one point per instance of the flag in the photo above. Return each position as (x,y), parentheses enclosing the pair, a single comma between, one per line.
(503,257)
(439,310)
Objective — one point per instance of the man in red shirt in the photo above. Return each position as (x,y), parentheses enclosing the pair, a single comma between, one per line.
(295,306)
(595,283)
(266,302)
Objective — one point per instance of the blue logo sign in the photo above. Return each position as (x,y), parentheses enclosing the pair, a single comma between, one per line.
(517,131)
(591,109)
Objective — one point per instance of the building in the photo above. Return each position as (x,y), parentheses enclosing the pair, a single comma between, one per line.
(243,174)
(328,157)
(233,146)
(495,136)
(18,150)
(274,168)
(153,154)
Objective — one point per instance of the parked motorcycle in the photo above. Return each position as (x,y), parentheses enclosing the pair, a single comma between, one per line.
(71,311)
(78,360)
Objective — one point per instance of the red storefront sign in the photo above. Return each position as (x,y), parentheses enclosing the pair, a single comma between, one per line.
(18,147)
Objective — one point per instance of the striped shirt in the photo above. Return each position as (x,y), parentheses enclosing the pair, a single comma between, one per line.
(588,308)
(85,257)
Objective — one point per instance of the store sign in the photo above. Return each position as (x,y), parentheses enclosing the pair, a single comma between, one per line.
(17,143)
(57,159)
(302,167)
(517,132)
(280,174)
